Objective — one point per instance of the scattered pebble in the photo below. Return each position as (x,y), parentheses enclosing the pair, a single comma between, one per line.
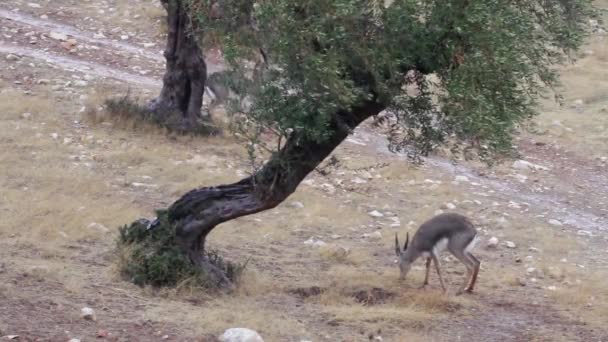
(492,242)
(88,314)
(510,244)
(375,213)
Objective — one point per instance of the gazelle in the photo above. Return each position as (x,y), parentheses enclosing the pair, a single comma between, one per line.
(452,231)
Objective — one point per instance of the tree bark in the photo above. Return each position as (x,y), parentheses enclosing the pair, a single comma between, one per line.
(186,71)
(199,211)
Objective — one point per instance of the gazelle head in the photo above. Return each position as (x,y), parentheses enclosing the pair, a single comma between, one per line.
(404,261)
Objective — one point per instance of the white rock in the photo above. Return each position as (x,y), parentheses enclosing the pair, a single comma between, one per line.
(74,340)
(88,314)
(584,233)
(11,57)
(375,213)
(26,115)
(297,205)
(551,288)
(124,37)
(58,36)
(313,242)
(510,244)
(149,45)
(375,236)
(526,165)
(54,135)
(438,212)
(449,206)
(358,180)
(34,5)
(555,222)
(240,335)
(492,242)
(98,226)
(530,270)
(319,243)
(461,179)
(143,185)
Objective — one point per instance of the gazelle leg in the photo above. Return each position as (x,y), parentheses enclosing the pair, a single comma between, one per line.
(428,271)
(476,265)
(438,268)
(469,264)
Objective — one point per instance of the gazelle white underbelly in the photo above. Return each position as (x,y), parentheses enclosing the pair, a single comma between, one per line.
(439,247)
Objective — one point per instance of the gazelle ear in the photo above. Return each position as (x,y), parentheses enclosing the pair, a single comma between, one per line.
(407,241)
(397,249)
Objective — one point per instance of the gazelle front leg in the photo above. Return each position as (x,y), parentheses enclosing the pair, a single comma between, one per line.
(428,270)
(438,268)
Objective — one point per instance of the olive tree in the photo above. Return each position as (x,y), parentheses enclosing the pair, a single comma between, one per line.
(477,69)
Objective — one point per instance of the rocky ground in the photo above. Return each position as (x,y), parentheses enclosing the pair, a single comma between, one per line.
(322,264)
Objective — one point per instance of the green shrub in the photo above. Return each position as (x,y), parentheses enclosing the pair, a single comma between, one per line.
(152,257)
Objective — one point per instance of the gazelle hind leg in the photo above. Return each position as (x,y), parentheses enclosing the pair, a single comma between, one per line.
(468,263)
(438,268)
(476,265)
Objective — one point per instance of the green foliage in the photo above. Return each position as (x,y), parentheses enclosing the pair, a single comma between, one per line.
(152,257)
(478,67)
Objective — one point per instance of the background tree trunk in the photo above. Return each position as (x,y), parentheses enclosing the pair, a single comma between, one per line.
(186,72)
(199,211)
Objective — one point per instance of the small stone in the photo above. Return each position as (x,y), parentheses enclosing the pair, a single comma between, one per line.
(124,37)
(74,340)
(240,335)
(10,57)
(297,205)
(67,141)
(26,115)
(438,212)
(492,242)
(461,179)
(526,165)
(510,244)
(584,233)
(98,226)
(555,222)
(534,249)
(530,270)
(448,206)
(551,288)
(88,314)
(149,45)
(55,136)
(375,213)
(102,333)
(358,180)
(58,36)
(34,5)
(521,281)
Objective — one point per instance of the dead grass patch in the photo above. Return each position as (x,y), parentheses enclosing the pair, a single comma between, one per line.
(586,297)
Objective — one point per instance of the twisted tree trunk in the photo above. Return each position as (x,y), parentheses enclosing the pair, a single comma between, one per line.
(186,72)
(199,211)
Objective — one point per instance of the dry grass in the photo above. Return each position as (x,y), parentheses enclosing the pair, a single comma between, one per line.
(586,296)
